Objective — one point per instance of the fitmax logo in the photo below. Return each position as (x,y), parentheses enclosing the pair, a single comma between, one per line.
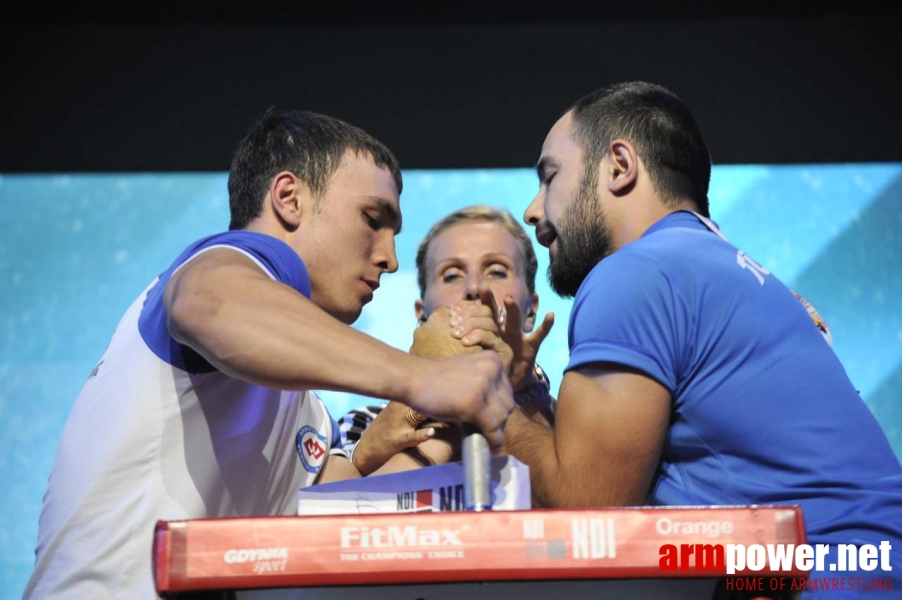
(395,536)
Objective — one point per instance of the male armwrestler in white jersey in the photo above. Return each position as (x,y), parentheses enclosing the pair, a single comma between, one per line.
(200,407)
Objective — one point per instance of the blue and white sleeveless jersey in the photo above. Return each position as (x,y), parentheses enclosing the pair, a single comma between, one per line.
(158,433)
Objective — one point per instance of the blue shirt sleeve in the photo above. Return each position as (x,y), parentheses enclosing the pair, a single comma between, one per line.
(628,311)
(278,259)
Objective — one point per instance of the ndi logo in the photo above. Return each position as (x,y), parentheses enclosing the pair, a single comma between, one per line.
(594,538)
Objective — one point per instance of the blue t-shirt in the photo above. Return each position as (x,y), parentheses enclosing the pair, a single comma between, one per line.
(762,410)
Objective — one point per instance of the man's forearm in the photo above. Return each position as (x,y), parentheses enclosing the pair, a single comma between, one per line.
(533,444)
(264,332)
(555,482)
(257,330)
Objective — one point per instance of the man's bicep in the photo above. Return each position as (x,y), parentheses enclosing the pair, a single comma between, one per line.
(196,295)
(610,430)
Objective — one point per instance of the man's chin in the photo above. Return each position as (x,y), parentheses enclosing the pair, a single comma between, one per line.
(352,317)
(346,315)
(564,284)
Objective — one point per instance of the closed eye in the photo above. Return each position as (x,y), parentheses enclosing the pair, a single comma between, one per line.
(371,222)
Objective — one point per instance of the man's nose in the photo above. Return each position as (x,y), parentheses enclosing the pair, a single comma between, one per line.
(535,212)
(385,256)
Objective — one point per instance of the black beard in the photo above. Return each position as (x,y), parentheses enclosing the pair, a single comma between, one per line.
(583,240)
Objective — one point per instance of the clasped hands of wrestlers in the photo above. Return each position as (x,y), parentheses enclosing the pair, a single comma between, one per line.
(476,326)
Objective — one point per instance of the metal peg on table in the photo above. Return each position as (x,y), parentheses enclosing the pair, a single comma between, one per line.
(476,458)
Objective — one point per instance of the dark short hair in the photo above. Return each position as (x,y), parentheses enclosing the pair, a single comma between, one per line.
(308,144)
(486,214)
(661,128)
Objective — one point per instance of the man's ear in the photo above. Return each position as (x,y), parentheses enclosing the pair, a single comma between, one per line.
(624,166)
(290,198)
(420,309)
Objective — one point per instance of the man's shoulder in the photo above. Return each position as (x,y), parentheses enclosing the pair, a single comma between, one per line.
(274,256)
(678,251)
(670,260)
(241,239)
(644,256)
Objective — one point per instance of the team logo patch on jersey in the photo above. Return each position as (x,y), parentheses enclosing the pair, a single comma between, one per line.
(312,448)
